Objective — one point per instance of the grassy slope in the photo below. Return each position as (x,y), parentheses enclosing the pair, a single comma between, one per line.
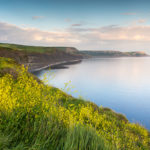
(36,116)
(26,48)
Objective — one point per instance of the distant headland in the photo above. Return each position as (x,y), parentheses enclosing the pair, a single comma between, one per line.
(109,53)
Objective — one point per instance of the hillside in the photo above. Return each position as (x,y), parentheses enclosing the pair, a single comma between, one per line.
(39,49)
(39,57)
(36,116)
(114,54)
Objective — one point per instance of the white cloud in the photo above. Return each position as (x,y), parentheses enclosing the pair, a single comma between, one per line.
(113,37)
(13,34)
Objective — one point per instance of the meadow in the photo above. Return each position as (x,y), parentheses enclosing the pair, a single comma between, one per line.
(35,116)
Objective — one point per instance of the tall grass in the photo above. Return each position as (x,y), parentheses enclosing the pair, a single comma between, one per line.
(34,116)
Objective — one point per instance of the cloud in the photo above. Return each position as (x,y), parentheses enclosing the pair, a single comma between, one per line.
(111,37)
(138,22)
(76,25)
(129,14)
(142,21)
(13,34)
(68,20)
(37,17)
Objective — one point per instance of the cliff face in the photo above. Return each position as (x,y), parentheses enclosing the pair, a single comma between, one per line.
(36,60)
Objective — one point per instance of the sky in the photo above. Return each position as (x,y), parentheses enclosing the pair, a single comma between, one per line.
(122,25)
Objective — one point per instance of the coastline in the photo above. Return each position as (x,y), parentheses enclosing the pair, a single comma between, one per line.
(62,64)
(55,65)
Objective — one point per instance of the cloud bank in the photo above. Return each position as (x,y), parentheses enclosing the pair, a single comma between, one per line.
(103,38)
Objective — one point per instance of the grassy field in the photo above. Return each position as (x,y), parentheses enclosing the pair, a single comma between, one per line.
(26,48)
(34,116)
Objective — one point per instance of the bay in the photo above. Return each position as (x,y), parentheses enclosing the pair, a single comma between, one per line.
(122,84)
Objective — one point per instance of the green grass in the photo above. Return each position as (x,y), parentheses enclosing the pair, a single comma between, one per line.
(34,116)
(26,48)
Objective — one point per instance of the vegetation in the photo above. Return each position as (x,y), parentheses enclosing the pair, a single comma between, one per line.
(39,49)
(35,116)
(72,50)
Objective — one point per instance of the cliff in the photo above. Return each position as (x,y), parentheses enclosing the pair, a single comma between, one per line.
(39,57)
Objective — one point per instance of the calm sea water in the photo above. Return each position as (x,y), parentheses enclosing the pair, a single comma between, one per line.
(122,84)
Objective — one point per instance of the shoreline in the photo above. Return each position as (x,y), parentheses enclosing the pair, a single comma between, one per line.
(57,64)
(61,64)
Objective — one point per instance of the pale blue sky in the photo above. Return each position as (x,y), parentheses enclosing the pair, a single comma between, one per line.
(68,17)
